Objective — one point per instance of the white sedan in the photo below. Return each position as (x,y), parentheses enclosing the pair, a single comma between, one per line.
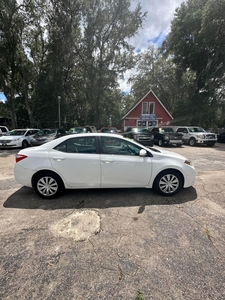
(18,138)
(100,160)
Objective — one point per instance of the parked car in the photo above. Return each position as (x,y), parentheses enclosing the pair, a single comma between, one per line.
(46,135)
(79,129)
(100,160)
(166,136)
(18,138)
(3,130)
(194,135)
(221,137)
(91,128)
(109,130)
(140,135)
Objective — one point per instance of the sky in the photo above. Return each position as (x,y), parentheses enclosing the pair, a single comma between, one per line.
(155,27)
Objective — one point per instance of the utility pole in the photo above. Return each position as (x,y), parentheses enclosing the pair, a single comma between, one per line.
(59,112)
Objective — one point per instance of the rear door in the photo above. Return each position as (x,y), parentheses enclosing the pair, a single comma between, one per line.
(78,162)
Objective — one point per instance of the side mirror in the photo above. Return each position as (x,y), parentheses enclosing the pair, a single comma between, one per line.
(142,152)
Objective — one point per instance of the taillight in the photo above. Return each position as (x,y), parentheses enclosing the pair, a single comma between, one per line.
(20,157)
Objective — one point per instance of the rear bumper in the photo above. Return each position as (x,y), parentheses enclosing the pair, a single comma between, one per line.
(22,175)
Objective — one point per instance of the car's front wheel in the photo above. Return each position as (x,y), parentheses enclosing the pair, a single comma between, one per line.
(168,182)
(160,142)
(25,144)
(48,185)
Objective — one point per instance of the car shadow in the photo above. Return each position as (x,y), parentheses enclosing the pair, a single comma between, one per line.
(26,198)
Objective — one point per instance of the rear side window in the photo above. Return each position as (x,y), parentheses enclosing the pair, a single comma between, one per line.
(184,130)
(78,145)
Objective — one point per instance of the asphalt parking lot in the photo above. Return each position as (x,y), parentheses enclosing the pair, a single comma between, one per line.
(117,243)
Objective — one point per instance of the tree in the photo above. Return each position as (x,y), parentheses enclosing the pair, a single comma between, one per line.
(197,44)
(159,73)
(104,52)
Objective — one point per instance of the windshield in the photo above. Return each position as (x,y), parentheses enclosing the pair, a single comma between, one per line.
(166,129)
(140,130)
(196,129)
(16,132)
(46,131)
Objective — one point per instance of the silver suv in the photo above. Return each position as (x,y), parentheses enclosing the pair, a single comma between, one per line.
(193,135)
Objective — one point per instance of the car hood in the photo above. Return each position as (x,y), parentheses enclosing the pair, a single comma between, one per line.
(43,137)
(158,153)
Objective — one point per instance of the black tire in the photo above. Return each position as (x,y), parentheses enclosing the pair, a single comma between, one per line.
(48,185)
(160,142)
(178,145)
(25,144)
(192,142)
(168,182)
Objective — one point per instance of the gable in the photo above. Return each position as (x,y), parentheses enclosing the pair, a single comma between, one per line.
(150,97)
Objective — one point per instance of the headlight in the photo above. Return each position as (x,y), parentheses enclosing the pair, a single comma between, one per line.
(201,136)
(166,137)
(188,162)
(16,139)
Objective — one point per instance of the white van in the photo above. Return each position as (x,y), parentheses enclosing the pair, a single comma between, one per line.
(3,130)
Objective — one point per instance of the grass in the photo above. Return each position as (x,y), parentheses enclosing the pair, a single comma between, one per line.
(139,295)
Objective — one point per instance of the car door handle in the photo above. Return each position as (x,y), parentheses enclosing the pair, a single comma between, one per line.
(58,158)
(107,161)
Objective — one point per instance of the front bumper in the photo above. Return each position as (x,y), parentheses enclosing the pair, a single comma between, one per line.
(206,141)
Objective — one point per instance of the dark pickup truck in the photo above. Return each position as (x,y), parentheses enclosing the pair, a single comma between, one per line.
(140,135)
(166,136)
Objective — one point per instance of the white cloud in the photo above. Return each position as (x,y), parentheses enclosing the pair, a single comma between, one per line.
(155,27)
(157,23)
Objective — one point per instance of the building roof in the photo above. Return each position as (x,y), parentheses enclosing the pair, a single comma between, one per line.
(142,100)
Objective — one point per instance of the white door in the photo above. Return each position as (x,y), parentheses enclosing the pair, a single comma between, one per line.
(121,165)
(77,162)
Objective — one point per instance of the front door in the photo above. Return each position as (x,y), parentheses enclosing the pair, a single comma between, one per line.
(121,165)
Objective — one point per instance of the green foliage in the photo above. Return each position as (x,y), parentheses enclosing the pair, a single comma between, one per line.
(73,49)
(196,45)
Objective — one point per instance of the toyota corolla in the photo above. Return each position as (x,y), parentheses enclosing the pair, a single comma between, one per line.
(100,160)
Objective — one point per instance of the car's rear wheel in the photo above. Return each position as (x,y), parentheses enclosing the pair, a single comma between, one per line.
(168,182)
(192,142)
(48,185)
(25,144)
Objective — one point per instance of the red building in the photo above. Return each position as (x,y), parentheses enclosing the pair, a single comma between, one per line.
(149,111)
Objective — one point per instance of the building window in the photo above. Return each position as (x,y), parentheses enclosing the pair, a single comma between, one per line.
(152,123)
(151,107)
(144,107)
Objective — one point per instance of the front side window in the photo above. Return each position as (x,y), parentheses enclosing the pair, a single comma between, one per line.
(115,146)
(78,145)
